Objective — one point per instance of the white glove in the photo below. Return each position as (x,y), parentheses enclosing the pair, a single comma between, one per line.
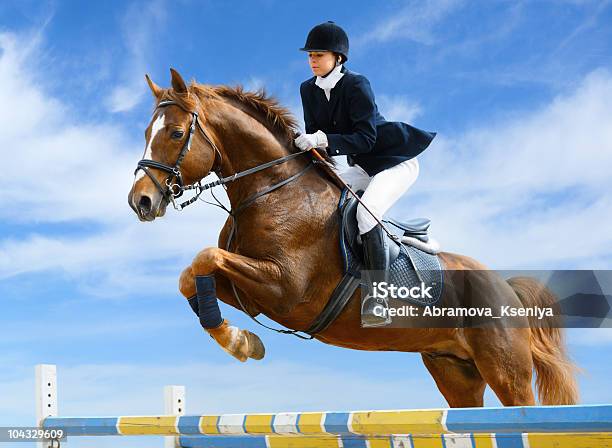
(308,141)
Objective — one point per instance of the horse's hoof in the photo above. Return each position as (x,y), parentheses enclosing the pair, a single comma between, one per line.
(241,344)
(256,348)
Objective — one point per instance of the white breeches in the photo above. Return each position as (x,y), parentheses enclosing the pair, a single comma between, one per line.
(381,191)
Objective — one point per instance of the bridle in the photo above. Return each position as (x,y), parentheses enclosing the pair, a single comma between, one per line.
(174,190)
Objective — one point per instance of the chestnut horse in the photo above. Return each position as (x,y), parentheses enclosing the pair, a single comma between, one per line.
(284,260)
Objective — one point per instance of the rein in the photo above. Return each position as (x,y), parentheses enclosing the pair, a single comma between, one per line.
(199,188)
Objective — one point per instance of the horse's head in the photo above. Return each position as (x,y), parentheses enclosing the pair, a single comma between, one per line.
(178,150)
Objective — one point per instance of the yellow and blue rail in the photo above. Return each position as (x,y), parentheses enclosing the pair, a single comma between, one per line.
(581,426)
(529,427)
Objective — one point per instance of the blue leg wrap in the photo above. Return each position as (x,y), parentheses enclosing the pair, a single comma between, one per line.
(208,307)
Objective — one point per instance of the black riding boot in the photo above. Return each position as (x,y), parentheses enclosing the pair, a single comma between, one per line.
(375,251)
(376,258)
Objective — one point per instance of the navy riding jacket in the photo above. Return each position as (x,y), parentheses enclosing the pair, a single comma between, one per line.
(355,128)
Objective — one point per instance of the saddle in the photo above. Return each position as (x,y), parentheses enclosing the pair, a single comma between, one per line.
(412,256)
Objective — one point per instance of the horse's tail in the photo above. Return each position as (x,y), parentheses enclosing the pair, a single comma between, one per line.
(555,373)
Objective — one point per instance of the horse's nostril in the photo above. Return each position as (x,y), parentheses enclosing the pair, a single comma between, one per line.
(144,205)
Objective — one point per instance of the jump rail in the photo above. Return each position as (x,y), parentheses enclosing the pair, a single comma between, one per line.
(528,427)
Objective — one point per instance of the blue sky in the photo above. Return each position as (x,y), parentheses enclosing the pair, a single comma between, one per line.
(520,93)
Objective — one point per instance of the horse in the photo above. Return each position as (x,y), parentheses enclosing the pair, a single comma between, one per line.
(283,260)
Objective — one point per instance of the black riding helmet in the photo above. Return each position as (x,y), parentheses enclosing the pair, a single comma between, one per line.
(328,36)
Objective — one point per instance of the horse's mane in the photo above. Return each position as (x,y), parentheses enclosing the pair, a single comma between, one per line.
(261,106)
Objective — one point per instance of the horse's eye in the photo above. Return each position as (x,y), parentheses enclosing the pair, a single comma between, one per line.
(177,134)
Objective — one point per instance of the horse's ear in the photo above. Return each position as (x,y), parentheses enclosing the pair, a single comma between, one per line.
(157,90)
(178,84)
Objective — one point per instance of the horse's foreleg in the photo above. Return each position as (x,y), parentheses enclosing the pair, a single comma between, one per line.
(249,274)
(241,344)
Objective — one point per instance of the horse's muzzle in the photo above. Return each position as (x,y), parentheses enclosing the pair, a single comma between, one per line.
(147,206)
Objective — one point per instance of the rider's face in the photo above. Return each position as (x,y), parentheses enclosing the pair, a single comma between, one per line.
(321,62)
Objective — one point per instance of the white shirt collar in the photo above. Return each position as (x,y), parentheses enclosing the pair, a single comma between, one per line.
(330,80)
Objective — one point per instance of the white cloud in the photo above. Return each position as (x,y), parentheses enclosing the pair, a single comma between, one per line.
(60,168)
(67,172)
(140,24)
(398,108)
(26,108)
(531,189)
(416,22)
(567,143)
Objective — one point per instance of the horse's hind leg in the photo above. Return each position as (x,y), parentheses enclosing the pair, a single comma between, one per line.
(503,358)
(457,379)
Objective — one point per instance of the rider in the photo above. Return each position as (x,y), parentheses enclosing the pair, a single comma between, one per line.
(340,115)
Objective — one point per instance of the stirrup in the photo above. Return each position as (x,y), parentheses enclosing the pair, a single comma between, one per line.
(371,319)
